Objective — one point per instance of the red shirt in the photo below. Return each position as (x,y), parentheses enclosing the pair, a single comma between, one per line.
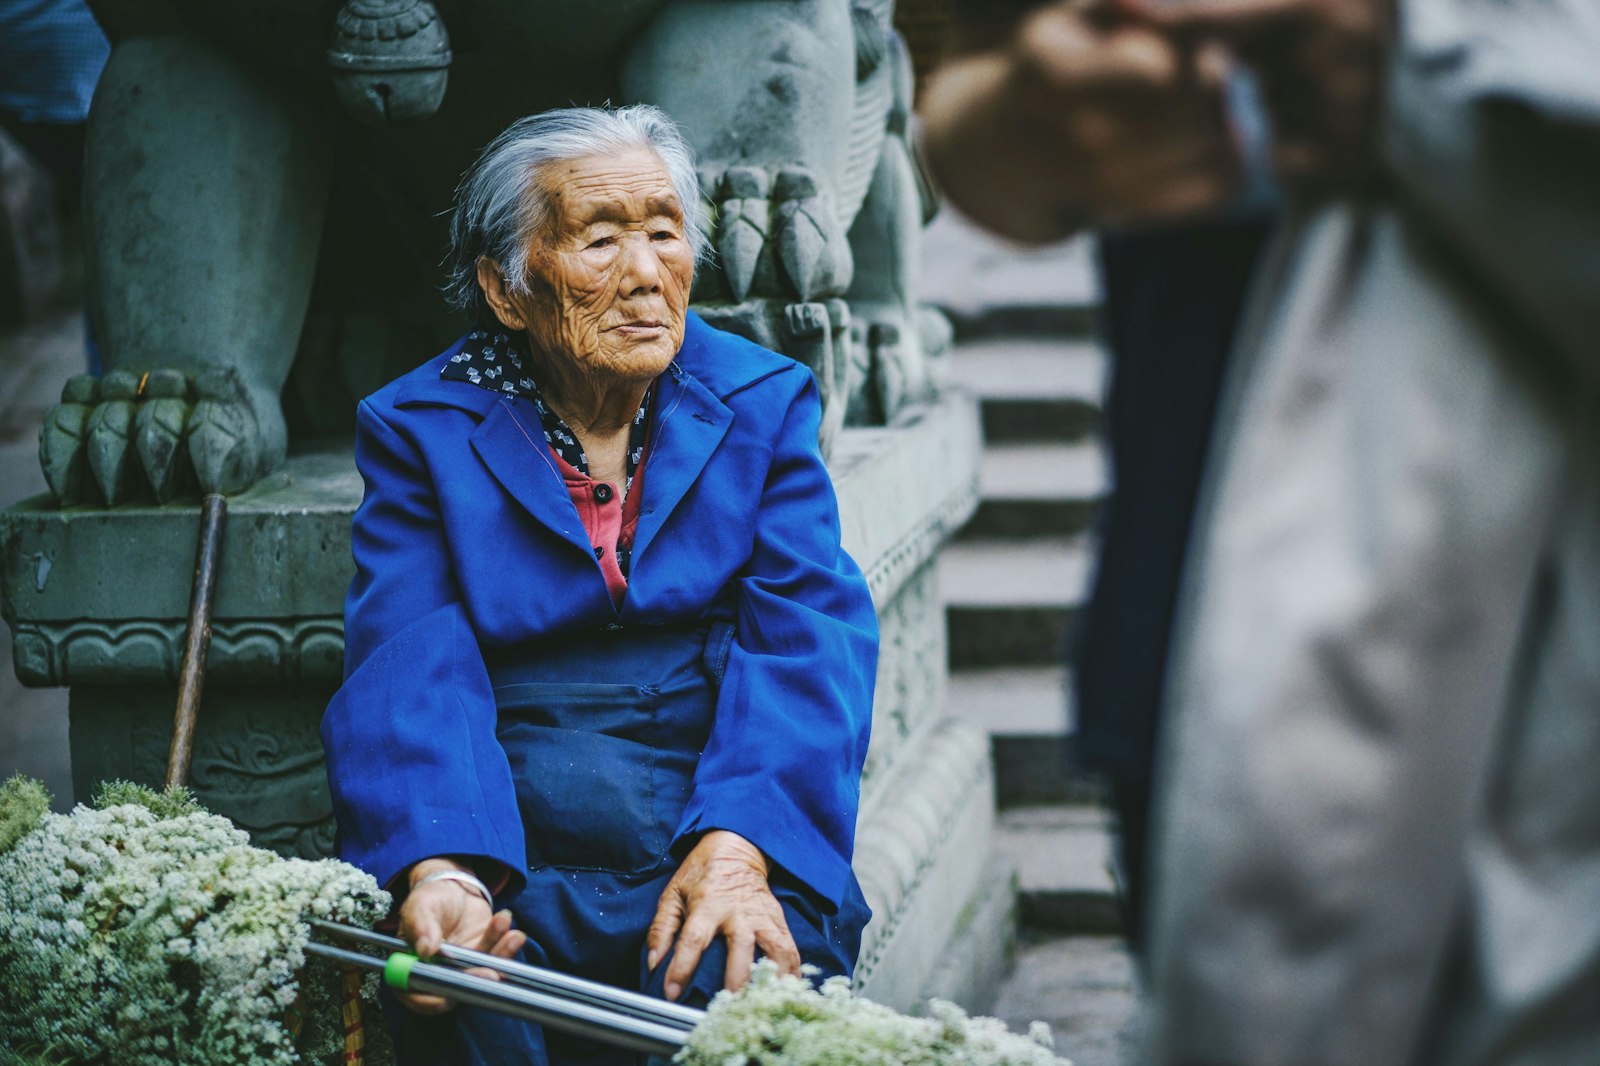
(608,519)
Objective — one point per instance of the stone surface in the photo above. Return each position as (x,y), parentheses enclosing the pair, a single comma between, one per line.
(910,688)
(257,755)
(893,521)
(34,363)
(101,597)
(1013,602)
(1084,987)
(1063,858)
(1027,713)
(1020,701)
(1032,388)
(1043,471)
(1017,367)
(921,855)
(980,956)
(1039,490)
(1043,571)
(970,272)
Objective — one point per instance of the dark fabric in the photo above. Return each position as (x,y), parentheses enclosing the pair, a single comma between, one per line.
(51,56)
(603,733)
(1173,299)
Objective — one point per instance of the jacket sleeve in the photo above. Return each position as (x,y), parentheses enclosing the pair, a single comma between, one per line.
(783,764)
(414,766)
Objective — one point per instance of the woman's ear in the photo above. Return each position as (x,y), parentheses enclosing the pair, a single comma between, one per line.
(492,280)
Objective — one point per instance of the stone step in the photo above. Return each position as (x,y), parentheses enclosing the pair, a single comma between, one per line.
(1063,857)
(1038,490)
(986,283)
(1027,713)
(1033,388)
(1083,987)
(1012,602)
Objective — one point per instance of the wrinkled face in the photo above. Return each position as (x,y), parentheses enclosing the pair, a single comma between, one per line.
(610,280)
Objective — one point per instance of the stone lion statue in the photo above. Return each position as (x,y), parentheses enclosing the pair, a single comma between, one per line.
(266,183)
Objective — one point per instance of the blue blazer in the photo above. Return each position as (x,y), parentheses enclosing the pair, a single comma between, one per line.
(466,539)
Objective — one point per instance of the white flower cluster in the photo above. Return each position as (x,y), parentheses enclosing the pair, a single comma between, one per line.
(151,932)
(778,1020)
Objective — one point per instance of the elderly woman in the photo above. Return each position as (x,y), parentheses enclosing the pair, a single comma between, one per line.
(607,666)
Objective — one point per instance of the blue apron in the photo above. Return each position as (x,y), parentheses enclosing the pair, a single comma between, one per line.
(603,733)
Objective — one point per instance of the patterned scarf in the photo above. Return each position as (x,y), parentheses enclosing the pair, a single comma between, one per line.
(494,361)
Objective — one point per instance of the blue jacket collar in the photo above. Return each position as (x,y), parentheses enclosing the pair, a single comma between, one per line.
(690,421)
(723,363)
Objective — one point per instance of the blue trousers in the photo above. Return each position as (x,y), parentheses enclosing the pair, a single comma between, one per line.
(603,733)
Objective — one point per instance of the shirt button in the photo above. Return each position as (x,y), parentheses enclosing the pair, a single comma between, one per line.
(602,493)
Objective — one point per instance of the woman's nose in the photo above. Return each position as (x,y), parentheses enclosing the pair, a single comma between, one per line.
(641,270)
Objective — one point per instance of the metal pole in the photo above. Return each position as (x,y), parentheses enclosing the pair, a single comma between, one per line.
(550,982)
(191,677)
(406,973)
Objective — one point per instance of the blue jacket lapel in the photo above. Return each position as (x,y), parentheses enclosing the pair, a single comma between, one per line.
(512,445)
(689,424)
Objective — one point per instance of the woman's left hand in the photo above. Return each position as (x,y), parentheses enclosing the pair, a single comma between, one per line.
(720,890)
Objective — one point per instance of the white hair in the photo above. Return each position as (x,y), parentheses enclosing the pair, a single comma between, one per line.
(502,203)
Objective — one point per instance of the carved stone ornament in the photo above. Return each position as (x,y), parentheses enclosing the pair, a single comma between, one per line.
(150,651)
(390,60)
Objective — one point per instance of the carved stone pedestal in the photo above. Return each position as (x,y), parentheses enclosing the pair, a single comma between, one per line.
(96,600)
(942,905)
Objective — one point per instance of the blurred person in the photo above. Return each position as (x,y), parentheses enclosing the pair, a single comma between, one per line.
(1172,289)
(1172,298)
(1377,820)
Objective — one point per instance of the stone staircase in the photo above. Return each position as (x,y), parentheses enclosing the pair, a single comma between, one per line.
(1015,580)
(1013,584)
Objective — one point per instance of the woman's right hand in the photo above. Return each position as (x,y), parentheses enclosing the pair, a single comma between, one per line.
(442,912)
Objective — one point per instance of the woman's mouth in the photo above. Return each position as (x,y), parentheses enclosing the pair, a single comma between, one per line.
(642,328)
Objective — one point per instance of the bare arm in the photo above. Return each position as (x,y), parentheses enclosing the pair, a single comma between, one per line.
(1078,117)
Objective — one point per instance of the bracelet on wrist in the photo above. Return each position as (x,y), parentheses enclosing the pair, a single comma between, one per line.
(461,877)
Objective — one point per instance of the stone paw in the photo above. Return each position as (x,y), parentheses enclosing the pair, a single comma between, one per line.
(777,235)
(818,335)
(62,454)
(890,368)
(159,435)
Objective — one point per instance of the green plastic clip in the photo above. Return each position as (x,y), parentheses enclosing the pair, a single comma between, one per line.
(397,970)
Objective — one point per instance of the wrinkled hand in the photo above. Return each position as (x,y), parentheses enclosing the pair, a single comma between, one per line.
(1321,68)
(720,890)
(1081,115)
(443,912)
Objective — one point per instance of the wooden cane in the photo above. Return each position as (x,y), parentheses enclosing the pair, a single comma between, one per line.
(191,678)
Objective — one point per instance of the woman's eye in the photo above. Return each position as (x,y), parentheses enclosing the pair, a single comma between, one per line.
(663,235)
(602,242)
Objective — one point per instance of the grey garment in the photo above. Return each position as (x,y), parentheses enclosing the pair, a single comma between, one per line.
(1378,831)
